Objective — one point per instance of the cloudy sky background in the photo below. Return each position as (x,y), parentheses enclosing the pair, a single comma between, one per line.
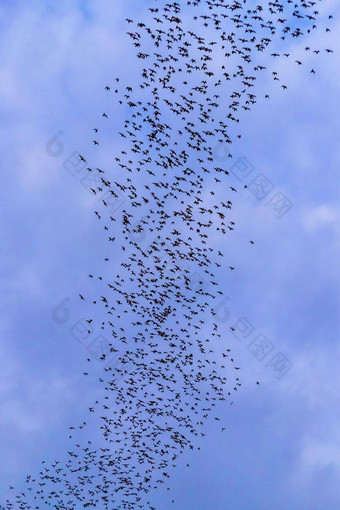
(281,448)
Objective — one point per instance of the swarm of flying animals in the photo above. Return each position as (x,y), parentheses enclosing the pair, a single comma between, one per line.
(199,63)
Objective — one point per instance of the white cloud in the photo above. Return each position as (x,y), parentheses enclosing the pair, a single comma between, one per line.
(320,216)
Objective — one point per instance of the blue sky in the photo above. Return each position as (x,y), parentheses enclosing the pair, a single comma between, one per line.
(281,448)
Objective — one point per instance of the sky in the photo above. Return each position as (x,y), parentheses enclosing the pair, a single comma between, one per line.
(281,448)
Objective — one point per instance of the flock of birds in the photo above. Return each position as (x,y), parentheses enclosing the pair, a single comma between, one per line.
(199,64)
